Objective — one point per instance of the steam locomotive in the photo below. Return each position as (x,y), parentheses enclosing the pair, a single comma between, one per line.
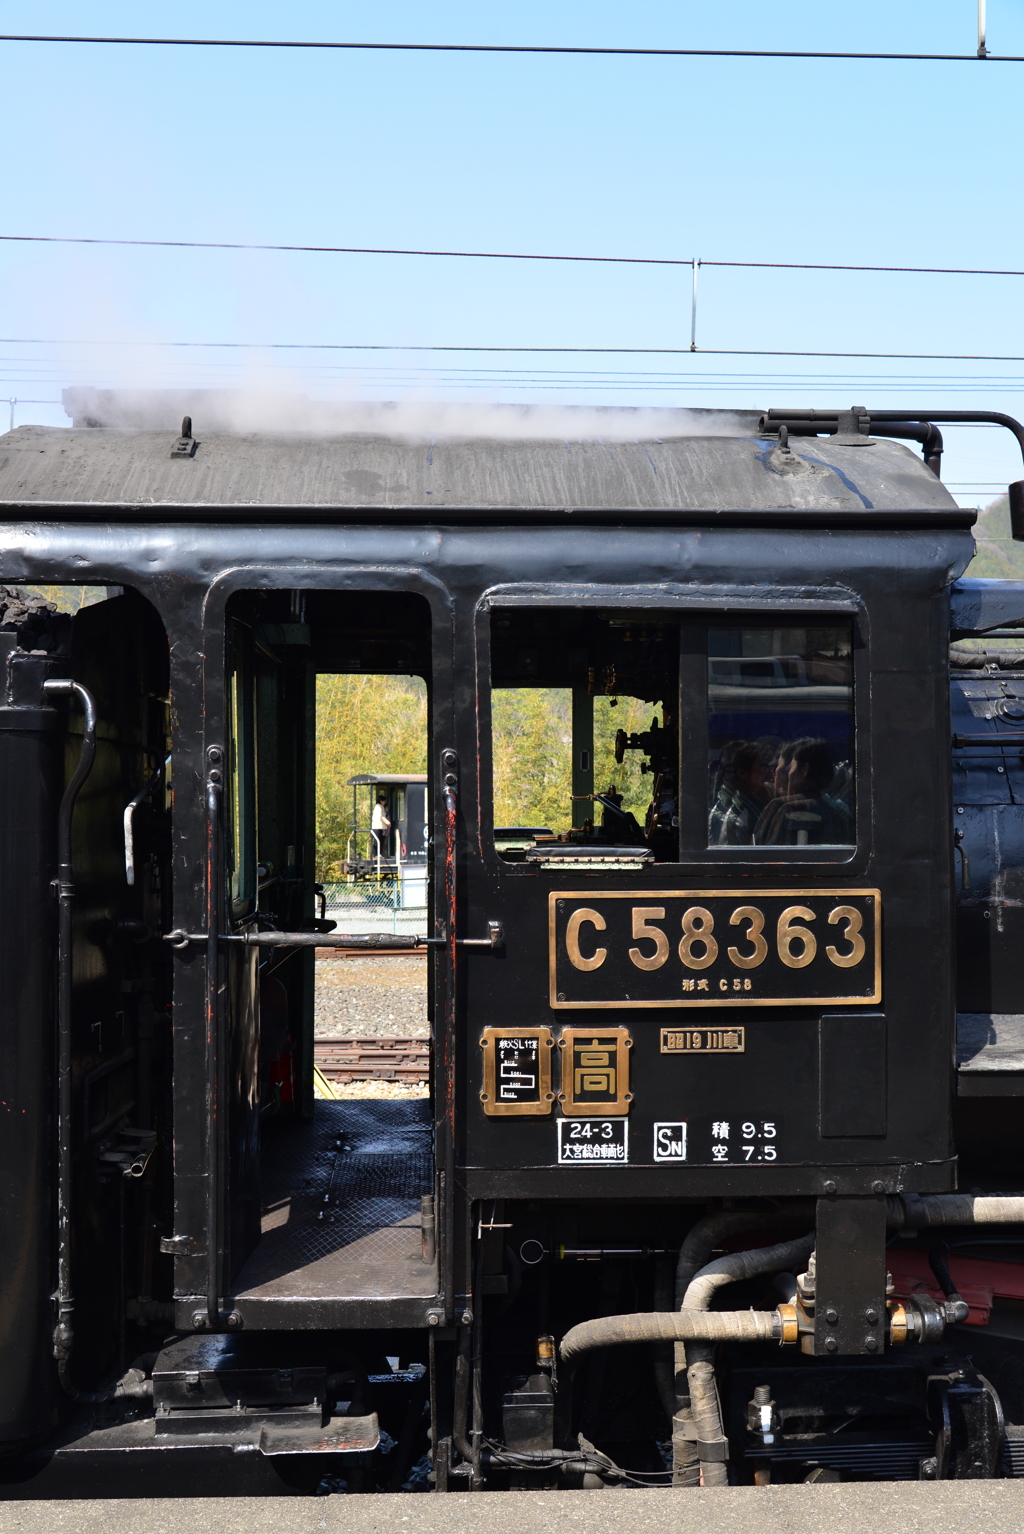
(715,1183)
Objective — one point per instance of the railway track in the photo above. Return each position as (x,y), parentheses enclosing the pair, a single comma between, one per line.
(384,1059)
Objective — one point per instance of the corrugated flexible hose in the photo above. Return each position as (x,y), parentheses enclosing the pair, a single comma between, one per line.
(912,1211)
(711,1443)
(669,1326)
(694,1254)
(701,1329)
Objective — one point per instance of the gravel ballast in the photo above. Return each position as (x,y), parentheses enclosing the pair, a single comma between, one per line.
(371,997)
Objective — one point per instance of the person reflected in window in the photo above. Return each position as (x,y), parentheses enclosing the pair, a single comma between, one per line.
(724,788)
(742,795)
(804,814)
(780,777)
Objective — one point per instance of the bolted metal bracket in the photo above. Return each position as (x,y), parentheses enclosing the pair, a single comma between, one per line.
(231,1319)
(852,428)
(186,445)
(178,1246)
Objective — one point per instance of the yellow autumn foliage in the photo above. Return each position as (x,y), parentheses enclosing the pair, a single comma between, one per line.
(363,724)
(379,724)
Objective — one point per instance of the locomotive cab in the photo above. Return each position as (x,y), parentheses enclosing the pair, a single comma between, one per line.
(684,859)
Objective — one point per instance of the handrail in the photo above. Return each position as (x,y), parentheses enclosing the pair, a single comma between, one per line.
(63,1335)
(383,941)
(214,785)
(1010,738)
(857,420)
(129,820)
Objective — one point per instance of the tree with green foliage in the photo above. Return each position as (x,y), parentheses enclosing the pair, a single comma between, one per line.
(998,556)
(532,735)
(363,724)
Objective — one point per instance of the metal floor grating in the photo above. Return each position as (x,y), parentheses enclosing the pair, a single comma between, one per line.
(341,1202)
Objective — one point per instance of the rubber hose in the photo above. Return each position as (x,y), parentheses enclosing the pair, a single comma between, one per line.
(702,1238)
(694,1253)
(663,1379)
(736,1266)
(914,1210)
(669,1326)
(707,1412)
(962,659)
(704,1403)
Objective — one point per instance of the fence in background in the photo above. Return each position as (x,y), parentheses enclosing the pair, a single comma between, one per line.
(397,906)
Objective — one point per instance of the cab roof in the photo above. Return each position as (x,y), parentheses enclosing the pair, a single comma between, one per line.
(605,461)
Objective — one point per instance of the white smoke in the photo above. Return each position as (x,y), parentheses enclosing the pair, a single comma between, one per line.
(268,412)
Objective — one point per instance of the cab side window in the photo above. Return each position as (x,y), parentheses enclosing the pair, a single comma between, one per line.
(781,736)
(585,734)
(241,840)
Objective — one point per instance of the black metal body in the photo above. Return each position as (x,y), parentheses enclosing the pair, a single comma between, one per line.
(844,1069)
(31,784)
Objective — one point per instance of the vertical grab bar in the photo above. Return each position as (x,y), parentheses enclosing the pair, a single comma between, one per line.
(450,801)
(214,785)
(64,1336)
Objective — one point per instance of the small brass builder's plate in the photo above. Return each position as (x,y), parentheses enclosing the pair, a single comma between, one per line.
(703,1041)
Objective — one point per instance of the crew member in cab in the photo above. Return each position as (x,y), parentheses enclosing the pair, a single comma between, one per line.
(804,813)
(742,796)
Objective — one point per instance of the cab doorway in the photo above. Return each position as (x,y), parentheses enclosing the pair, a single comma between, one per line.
(329,1158)
(371,1026)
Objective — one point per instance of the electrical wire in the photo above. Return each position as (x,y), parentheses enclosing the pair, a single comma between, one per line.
(528,48)
(234,380)
(508,255)
(832,380)
(566,351)
(598,1462)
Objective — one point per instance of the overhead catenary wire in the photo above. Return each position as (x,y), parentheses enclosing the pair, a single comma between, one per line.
(226,376)
(508,255)
(557,351)
(516,48)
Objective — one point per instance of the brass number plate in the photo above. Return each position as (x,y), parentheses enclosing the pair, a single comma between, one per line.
(517,1072)
(714,948)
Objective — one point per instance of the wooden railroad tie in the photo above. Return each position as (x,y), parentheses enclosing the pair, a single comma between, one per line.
(384,1059)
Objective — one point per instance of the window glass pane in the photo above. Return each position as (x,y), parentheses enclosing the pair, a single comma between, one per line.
(780,735)
(242,779)
(532,732)
(630,778)
(584,711)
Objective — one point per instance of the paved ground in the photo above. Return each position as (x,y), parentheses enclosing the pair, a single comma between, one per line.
(957,1507)
(370,997)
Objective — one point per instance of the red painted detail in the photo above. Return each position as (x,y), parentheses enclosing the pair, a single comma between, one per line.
(282,1072)
(978,1281)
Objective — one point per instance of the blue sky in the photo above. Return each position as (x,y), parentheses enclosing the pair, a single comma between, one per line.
(902,163)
